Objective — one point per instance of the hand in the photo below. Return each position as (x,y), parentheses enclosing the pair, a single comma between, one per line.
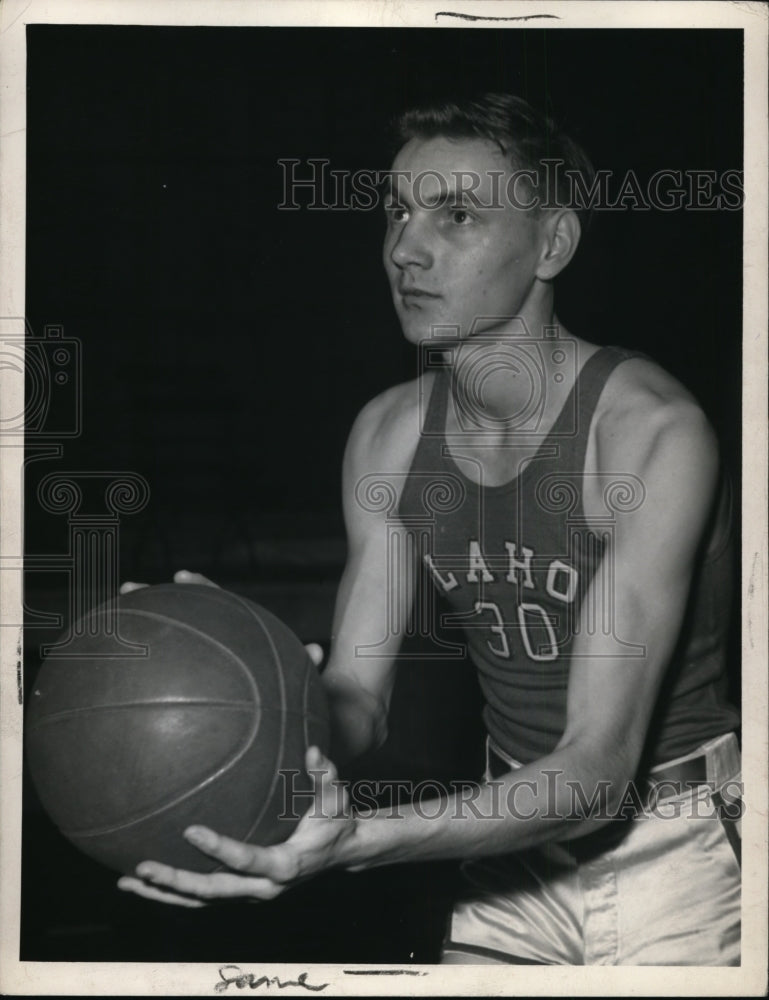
(181,576)
(318,843)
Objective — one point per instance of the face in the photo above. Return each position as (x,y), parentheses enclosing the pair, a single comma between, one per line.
(457,249)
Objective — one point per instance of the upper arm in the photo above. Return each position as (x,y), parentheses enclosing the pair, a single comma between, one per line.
(642,583)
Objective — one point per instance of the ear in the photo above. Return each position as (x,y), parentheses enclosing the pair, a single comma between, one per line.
(562,231)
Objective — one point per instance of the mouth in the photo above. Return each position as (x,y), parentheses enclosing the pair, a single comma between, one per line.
(413,295)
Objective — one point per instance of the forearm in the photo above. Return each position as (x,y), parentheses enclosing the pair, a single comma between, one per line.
(358,722)
(556,798)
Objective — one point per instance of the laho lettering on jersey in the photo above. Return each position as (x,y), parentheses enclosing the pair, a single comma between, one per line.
(556,578)
(560,583)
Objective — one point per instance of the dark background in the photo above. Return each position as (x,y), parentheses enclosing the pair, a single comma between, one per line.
(227,346)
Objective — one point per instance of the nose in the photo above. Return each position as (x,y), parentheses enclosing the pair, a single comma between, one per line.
(409,244)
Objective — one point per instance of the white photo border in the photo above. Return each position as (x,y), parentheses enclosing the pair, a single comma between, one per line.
(31,978)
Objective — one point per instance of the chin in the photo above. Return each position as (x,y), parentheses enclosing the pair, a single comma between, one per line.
(413,330)
(418,328)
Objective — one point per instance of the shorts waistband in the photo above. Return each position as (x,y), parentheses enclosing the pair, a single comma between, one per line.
(713,763)
(719,757)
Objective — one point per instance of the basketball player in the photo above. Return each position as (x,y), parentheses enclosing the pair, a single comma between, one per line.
(567,501)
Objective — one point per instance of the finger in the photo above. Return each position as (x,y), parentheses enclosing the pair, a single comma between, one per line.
(320,766)
(140,888)
(331,797)
(185,576)
(315,653)
(217,885)
(128,586)
(276,864)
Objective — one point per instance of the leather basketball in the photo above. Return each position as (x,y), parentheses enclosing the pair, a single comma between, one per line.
(209,727)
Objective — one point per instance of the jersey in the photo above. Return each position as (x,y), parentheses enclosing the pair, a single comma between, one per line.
(515,561)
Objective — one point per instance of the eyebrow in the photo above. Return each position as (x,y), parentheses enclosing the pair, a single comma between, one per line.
(446,194)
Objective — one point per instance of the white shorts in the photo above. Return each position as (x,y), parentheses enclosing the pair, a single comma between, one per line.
(668,893)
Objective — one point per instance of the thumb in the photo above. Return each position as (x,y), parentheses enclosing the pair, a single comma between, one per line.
(330,793)
(315,652)
(319,765)
(185,576)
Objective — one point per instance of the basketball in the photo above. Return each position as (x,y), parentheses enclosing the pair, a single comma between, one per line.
(209,726)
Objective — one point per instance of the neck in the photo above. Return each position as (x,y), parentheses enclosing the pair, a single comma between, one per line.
(504,371)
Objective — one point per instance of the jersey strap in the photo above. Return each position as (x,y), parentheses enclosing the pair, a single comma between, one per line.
(584,397)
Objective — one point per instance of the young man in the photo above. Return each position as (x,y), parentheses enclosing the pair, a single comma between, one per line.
(566,499)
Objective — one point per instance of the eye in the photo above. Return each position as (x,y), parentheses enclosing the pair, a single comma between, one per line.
(461,216)
(396,214)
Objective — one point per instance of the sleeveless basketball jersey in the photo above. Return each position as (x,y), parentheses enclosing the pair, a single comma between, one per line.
(515,561)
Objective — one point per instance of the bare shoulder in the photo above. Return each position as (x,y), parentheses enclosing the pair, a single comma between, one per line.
(386,431)
(644,413)
(649,427)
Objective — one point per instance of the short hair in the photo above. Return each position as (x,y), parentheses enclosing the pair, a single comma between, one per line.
(525,135)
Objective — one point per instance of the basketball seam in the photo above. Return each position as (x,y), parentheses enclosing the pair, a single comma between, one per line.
(65,712)
(221,770)
(83,834)
(249,609)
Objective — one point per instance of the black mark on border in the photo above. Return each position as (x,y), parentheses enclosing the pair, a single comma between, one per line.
(383,972)
(484,17)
